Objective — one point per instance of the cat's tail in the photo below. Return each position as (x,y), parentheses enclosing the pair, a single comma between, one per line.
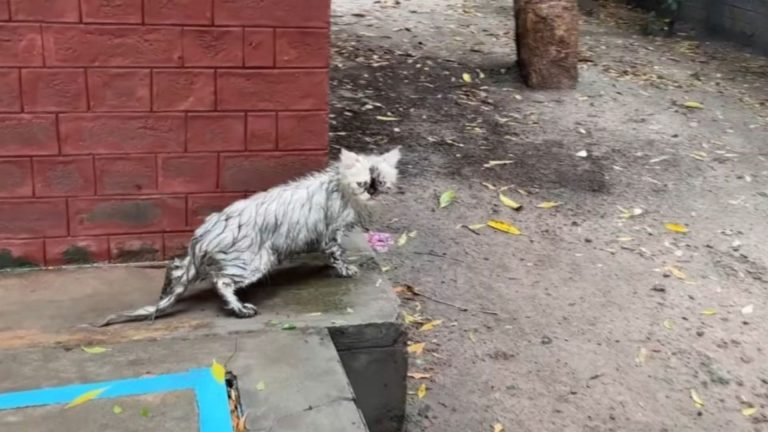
(178,277)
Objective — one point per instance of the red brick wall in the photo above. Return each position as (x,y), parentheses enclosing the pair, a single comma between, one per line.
(124,122)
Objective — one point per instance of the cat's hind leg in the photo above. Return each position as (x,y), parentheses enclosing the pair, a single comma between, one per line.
(337,256)
(226,287)
(238,274)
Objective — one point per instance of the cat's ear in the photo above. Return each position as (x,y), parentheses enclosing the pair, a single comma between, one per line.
(348,159)
(390,158)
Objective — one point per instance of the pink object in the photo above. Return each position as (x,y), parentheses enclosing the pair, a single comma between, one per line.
(380,242)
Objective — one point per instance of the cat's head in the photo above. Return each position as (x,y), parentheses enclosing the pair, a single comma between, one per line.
(368,176)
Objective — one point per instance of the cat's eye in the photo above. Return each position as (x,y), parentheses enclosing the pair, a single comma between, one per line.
(362,185)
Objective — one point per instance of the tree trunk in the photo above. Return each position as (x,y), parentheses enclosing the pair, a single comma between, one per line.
(547,37)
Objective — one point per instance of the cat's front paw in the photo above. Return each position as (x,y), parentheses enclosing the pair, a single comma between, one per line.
(347,271)
(244,310)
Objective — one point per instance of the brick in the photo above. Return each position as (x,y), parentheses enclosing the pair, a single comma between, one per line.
(200,206)
(63,176)
(188,172)
(97,45)
(28,134)
(272,89)
(76,250)
(274,13)
(20,45)
(96,216)
(183,90)
(259,47)
(121,133)
(175,244)
(178,11)
(29,218)
(136,248)
(53,90)
(4,10)
(302,48)
(45,10)
(213,46)
(262,131)
(21,253)
(122,174)
(257,172)
(10,91)
(302,130)
(215,132)
(17,178)
(111,11)
(119,89)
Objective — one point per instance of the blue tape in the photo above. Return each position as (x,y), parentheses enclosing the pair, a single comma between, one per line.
(211,395)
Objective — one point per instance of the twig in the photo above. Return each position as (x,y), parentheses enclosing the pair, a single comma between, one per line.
(434,254)
(437,300)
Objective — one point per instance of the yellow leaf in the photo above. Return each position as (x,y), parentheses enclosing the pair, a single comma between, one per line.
(472,337)
(387,118)
(669,324)
(699,155)
(385,269)
(94,350)
(694,105)
(630,213)
(466,77)
(416,348)
(498,427)
(509,203)
(748,411)
(676,227)
(85,397)
(642,354)
(497,162)
(403,239)
(709,311)
(476,226)
(409,319)
(676,272)
(504,227)
(419,375)
(117,409)
(422,391)
(696,399)
(522,192)
(489,186)
(548,204)
(430,325)
(447,198)
(261,386)
(625,239)
(218,371)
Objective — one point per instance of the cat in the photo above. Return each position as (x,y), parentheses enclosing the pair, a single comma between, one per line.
(239,245)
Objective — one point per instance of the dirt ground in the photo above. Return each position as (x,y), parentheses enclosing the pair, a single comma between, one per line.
(603,320)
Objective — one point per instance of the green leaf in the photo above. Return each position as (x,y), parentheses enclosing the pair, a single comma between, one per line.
(447,198)
(85,397)
(144,412)
(94,349)
(117,409)
(261,386)
(288,326)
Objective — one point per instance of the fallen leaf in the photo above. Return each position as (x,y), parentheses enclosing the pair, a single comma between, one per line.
(522,192)
(582,154)
(117,409)
(699,155)
(509,202)
(386,118)
(697,401)
(466,77)
(85,397)
(476,226)
(641,356)
(630,213)
(669,324)
(419,375)
(430,325)
(676,272)
(409,319)
(385,269)
(548,204)
(422,391)
(416,348)
(489,186)
(412,234)
(625,239)
(261,386)
(748,309)
(472,337)
(504,227)
(497,162)
(709,311)
(288,326)
(498,427)
(748,411)
(404,289)
(693,105)
(144,412)
(95,349)
(447,198)
(403,239)
(218,371)
(677,228)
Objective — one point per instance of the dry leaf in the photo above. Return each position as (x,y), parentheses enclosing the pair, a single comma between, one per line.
(748,309)
(476,227)
(669,324)
(416,348)
(240,425)
(504,227)
(497,162)
(85,397)
(95,349)
(447,198)
(548,204)
(404,289)
(630,213)
(261,386)
(218,371)
(472,337)
(489,186)
(409,319)
(498,427)
(509,202)
(386,118)
(419,375)
(403,239)
(466,77)
(430,325)
(642,354)
(676,272)
(699,155)
(522,192)
(422,391)
(748,411)
(677,228)
(117,409)
(693,105)
(697,401)
(625,239)
(709,311)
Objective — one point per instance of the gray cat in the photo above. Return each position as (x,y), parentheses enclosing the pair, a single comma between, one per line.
(239,245)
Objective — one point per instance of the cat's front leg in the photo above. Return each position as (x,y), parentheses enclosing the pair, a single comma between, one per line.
(338,256)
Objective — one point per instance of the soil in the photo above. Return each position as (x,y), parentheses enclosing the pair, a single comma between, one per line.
(597,318)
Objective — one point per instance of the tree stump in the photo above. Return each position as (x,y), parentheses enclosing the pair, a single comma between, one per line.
(547,38)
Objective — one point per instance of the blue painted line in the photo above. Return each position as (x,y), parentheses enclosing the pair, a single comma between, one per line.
(210,395)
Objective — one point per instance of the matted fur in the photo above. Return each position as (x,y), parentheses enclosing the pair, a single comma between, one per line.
(239,245)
